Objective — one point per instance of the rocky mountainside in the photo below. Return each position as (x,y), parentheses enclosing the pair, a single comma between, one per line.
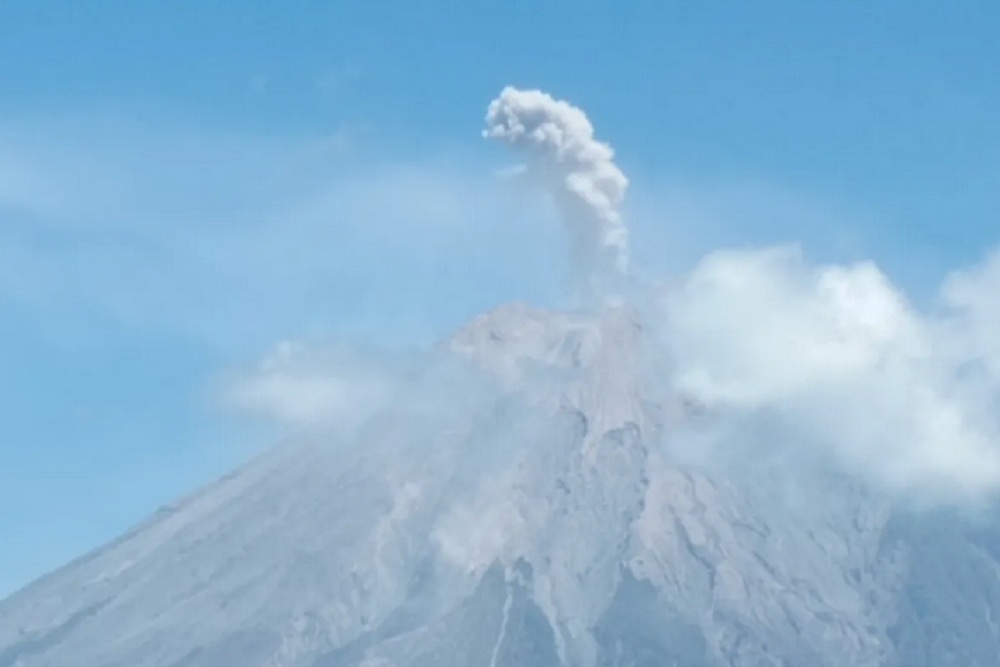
(522,508)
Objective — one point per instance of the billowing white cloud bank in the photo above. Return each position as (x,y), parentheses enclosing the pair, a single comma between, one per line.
(841,363)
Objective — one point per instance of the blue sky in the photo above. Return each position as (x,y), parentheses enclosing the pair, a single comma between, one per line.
(183,185)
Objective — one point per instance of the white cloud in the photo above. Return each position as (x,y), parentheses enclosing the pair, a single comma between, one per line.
(309,387)
(972,295)
(840,361)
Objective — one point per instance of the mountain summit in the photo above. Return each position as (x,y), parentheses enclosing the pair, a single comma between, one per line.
(521,507)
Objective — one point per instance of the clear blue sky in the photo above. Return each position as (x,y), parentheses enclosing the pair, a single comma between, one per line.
(184,184)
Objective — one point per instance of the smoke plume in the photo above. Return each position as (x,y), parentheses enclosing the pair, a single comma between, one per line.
(577,170)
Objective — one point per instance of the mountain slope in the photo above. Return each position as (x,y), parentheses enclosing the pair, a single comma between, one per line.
(521,507)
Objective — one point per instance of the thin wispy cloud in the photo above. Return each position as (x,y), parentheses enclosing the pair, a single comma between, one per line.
(310,387)
(238,242)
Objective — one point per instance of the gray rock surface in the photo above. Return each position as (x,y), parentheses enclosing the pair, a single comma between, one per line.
(533,518)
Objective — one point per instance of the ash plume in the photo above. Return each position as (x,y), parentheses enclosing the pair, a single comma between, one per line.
(577,170)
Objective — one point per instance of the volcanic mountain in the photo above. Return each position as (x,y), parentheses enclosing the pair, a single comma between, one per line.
(538,493)
(518,505)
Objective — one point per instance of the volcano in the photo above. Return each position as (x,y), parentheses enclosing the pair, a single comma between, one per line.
(537,492)
(521,508)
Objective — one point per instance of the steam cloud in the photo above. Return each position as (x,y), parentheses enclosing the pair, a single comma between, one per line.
(578,171)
